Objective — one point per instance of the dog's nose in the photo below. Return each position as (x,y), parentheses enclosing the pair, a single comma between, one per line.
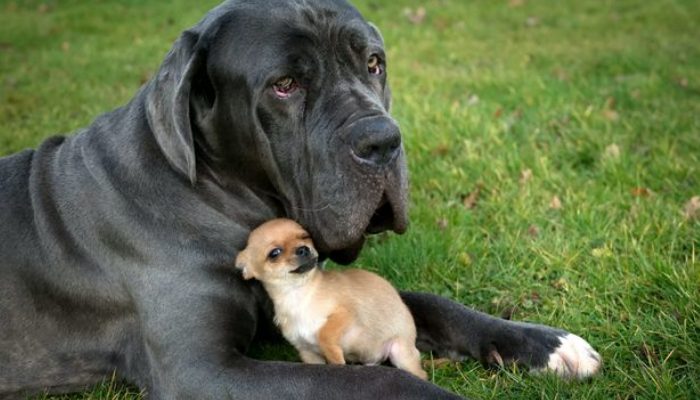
(376,140)
(303,251)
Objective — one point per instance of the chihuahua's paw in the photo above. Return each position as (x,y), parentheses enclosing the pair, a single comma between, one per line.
(573,358)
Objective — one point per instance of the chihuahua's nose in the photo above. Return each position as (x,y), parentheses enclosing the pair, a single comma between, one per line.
(303,251)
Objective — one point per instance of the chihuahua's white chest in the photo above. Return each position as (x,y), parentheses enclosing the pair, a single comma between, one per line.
(299,317)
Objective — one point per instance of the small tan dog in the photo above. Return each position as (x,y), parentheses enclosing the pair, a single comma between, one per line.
(334,316)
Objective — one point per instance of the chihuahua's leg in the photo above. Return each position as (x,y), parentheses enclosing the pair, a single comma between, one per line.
(404,355)
(311,357)
(330,334)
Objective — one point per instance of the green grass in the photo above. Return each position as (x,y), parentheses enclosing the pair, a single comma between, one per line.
(483,91)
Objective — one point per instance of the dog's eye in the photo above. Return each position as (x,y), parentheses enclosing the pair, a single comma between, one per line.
(274,253)
(374,65)
(285,87)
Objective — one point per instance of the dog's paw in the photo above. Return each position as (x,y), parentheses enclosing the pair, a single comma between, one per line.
(574,358)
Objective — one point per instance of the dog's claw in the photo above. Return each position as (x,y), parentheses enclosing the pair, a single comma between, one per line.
(494,358)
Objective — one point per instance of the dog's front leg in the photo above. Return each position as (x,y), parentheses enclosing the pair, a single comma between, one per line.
(453,330)
(196,327)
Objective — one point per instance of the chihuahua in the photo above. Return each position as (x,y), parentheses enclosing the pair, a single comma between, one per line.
(329,316)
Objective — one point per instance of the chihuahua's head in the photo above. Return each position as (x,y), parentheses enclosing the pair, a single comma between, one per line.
(278,250)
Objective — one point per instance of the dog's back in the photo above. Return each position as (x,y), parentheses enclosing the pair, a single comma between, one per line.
(375,302)
(46,281)
(378,313)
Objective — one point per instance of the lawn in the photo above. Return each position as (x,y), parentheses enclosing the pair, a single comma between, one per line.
(554,150)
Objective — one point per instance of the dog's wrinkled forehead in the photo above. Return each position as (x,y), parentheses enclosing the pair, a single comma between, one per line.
(293,37)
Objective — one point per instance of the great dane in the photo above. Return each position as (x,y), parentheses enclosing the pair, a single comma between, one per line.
(117,243)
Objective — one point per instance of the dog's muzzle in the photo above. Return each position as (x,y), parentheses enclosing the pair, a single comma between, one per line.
(307,260)
(306,267)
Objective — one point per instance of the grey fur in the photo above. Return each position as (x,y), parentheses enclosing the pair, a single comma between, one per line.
(117,243)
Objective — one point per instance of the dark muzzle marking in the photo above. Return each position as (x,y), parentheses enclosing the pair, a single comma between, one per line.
(306,267)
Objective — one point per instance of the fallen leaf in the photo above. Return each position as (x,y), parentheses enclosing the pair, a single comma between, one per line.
(641,192)
(610,103)
(525,176)
(624,317)
(531,300)
(442,224)
(532,22)
(441,24)
(11,82)
(611,115)
(498,300)
(533,231)
(465,259)
(415,17)
(433,184)
(691,210)
(561,74)
(602,252)
(472,198)
(555,203)
(436,363)
(440,150)
(561,284)
(497,114)
(612,152)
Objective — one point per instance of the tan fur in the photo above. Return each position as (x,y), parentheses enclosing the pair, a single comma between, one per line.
(330,334)
(337,316)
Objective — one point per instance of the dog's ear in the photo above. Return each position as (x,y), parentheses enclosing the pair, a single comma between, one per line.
(169,99)
(376,31)
(243,263)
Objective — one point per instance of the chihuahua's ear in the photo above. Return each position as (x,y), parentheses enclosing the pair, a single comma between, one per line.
(243,263)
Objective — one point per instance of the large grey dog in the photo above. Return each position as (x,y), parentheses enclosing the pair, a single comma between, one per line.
(117,243)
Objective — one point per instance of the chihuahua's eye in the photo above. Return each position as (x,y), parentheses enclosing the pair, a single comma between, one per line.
(374,66)
(274,253)
(284,87)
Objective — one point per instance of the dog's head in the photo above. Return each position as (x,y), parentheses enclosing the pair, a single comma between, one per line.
(279,250)
(289,99)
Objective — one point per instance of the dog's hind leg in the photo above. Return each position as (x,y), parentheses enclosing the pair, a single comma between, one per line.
(404,355)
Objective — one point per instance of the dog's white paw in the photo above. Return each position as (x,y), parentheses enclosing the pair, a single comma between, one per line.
(574,358)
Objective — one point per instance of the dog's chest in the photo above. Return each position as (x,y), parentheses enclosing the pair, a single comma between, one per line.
(299,319)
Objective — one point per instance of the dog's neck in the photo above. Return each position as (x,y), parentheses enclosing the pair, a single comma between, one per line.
(281,290)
